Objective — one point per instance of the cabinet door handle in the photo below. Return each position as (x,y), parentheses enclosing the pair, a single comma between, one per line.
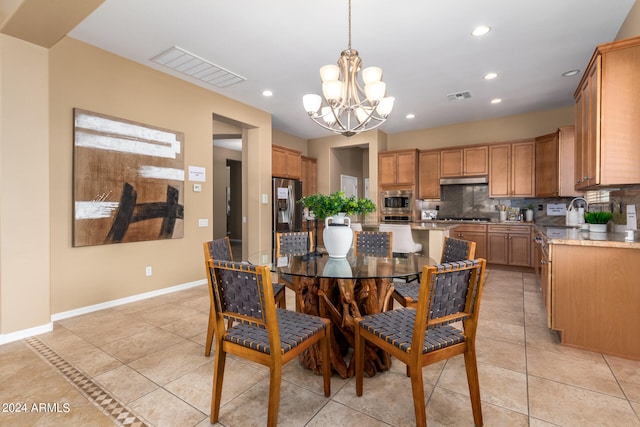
(543,262)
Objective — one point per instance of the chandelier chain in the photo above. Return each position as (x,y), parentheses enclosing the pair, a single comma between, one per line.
(349,24)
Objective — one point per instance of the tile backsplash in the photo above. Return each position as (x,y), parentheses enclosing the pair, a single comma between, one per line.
(471,201)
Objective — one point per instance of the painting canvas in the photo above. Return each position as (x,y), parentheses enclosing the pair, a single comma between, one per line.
(128,182)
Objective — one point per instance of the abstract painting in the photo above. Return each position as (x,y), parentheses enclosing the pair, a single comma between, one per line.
(128,181)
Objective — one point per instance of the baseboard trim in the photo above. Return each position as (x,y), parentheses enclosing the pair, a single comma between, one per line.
(38,330)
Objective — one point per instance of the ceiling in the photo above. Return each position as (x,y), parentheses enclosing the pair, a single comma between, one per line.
(424,48)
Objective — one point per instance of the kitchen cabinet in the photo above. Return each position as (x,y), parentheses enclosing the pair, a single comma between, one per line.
(607,152)
(512,169)
(285,162)
(542,268)
(474,233)
(555,164)
(465,161)
(429,175)
(595,298)
(398,168)
(309,175)
(509,245)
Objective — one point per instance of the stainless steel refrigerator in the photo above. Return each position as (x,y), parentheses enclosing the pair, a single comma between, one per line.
(287,214)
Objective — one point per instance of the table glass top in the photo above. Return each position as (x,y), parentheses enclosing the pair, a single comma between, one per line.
(360,266)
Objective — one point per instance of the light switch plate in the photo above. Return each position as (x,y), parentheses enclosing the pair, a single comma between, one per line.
(197,188)
(203,222)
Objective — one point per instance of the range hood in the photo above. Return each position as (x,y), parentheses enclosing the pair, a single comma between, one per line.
(465,180)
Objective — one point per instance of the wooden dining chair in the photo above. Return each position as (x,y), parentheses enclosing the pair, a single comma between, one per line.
(220,249)
(378,243)
(261,332)
(450,292)
(406,293)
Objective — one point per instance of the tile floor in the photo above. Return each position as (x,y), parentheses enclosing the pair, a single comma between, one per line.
(143,364)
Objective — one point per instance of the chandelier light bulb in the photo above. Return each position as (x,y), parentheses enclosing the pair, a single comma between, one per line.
(362,115)
(385,106)
(327,116)
(329,73)
(311,103)
(332,90)
(371,74)
(375,91)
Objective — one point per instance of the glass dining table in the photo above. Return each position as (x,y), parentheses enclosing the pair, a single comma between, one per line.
(342,289)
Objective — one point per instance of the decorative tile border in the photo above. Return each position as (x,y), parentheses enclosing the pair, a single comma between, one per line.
(110,406)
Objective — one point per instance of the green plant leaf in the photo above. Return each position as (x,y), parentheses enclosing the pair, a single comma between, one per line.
(323,205)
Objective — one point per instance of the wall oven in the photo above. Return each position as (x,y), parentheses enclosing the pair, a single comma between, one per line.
(396,205)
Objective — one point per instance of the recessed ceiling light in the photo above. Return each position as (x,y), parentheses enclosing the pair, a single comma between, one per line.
(570,73)
(490,76)
(496,101)
(480,30)
(410,116)
(267,93)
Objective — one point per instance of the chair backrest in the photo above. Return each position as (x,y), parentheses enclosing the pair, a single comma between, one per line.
(402,239)
(219,249)
(294,243)
(241,292)
(449,292)
(457,250)
(378,243)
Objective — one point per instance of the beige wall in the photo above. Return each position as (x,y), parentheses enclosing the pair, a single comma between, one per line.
(92,79)
(486,131)
(631,26)
(290,141)
(24,186)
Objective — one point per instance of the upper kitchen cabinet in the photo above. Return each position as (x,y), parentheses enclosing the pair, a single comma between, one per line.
(555,163)
(398,168)
(309,176)
(607,151)
(285,162)
(512,169)
(429,175)
(466,161)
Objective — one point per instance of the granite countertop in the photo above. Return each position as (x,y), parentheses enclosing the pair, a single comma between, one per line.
(564,235)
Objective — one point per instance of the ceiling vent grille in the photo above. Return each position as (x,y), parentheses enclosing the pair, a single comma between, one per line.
(187,63)
(459,96)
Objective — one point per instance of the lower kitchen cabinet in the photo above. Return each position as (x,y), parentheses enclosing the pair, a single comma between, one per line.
(474,233)
(595,297)
(509,245)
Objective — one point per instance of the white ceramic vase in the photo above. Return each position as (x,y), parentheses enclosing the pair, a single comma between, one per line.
(337,235)
(598,228)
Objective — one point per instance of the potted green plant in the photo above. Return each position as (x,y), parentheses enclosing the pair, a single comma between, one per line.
(333,208)
(597,221)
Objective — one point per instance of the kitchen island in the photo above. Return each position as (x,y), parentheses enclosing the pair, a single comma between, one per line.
(591,286)
(430,234)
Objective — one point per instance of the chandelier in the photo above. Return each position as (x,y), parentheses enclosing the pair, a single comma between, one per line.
(349,106)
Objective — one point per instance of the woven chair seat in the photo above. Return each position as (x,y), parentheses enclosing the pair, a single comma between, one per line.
(396,327)
(407,290)
(294,327)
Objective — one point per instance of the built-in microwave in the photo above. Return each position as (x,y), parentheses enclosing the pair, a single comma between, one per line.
(396,202)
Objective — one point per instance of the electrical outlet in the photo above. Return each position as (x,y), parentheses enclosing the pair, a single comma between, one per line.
(148,271)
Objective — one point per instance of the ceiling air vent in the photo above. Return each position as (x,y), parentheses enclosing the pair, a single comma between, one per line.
(187,63)
(459,96)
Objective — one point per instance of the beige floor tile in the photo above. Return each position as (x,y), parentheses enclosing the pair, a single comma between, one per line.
(501,353)
(386,396)
(567,405)
(430,373)
(125,384)
(498,386)
(500,331)
(93,362)
(171,363)
(446,408)
(534,422)
(101,328)
(297,374)
(86,415)
(546,339)
(161,409)
(335,414)
(297,406)
(190,326)
(143,344)
(628,374)
(591,374)
(166,314)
